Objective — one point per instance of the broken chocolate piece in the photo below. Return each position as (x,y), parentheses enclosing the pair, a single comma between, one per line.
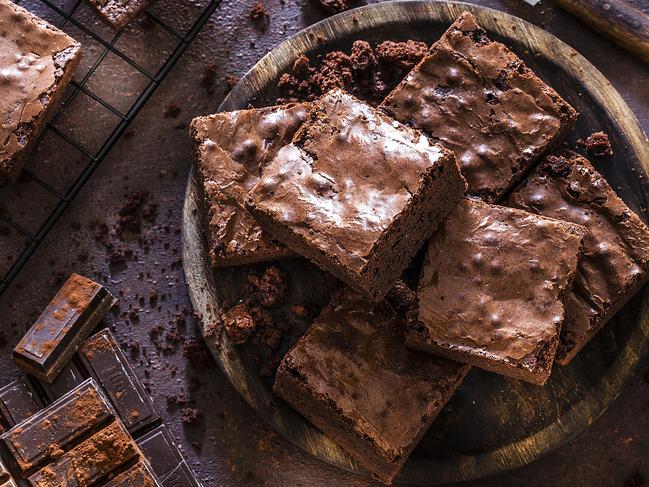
(109,366)
(58,332)
(90,461)
(18,401)
(64,421)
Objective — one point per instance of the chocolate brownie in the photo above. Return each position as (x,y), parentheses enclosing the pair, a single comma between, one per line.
(36,64)
(491,288)
(353,378)
(118,13)
(616,247)
(231,149)
(477,98)
(356,192)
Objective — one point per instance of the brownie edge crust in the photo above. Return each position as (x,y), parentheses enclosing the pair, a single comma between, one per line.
(353,378)
(356,192)
(37,62)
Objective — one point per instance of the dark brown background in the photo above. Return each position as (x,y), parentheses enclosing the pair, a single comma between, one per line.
(229,446)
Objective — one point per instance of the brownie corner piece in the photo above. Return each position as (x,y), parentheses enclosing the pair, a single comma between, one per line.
(118,13)
(231,148)
(353,378)
(477,98)
(356,192)
(615,261)
(491,289)
(36,68)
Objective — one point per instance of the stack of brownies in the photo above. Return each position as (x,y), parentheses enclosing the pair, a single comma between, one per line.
(359,190)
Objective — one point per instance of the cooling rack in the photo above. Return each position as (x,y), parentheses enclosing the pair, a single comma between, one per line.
(96,112)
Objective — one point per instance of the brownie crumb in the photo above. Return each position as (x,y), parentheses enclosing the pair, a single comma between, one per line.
(269,288)
(597,144)
(197,353)
(190,415)
(335,6)
(259,13)
(557,166)
(208,77)
(230,82)
(367,73)
(239,324)
(402,55)
(172,110)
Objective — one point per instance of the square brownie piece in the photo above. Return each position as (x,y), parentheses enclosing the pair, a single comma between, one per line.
(491,288)
(356,192)
(36,64)
(352,376)
(477,98)
(230,150)
(616,246)
(118,13)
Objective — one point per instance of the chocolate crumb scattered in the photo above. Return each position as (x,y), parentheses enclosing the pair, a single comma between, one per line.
(335,6)
(190,415)
(597,144)
(172,110)
(401,55)
(230,82)
(208,77)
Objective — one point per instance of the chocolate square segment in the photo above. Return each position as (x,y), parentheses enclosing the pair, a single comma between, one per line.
(36,64)
(491,288)
(616,246)
(139,475)
(353,378)
(356,192)
(91,460)
(62,423)
(478,99)
(231,150)
(59,330)
(118,13)
(18,401)
(106,362)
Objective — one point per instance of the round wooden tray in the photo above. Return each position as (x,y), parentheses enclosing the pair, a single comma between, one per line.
(492,424)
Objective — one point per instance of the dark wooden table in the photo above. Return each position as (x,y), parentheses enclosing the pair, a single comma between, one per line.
(229,446)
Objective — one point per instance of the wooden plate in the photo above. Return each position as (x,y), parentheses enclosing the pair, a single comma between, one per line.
(492,424)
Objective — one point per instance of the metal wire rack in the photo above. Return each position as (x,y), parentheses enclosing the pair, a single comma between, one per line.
(24,225)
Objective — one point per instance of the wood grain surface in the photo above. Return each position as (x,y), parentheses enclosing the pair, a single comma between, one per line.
(492,424)
(625,24)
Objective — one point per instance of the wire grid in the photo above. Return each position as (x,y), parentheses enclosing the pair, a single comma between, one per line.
(63,198)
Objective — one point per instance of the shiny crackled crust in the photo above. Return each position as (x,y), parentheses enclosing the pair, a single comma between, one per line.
(616,247)
(356,192)
(480,100)
(230,151)
(118,13)
(354,379)
(37,61)
(491,288)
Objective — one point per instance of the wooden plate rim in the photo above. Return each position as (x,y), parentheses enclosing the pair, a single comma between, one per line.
(200,279)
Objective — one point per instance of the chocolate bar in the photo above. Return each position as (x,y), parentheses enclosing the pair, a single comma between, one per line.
(159,446)
(18,401)
(90,461)
(139,475)
(65,420)
(69,378)
(106,362)
(59,331)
